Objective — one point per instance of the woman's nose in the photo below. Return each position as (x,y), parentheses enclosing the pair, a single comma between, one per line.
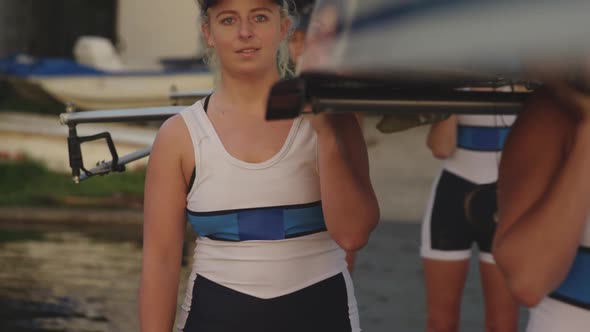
(246,30)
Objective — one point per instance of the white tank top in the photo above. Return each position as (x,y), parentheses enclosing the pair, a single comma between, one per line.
(479,143)
(260,225)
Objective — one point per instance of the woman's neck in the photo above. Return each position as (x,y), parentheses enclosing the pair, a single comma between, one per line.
(250,93)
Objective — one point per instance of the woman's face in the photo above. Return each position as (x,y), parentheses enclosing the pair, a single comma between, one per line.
(246,34)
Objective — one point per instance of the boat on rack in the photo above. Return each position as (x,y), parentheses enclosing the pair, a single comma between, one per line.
(97,79)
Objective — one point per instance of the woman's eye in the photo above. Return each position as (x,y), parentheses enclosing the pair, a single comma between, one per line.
(260,18)
(227,21)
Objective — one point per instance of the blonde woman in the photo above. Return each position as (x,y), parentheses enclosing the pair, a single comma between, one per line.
(275,204)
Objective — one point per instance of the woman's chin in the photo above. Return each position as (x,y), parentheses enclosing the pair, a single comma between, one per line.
(252,70)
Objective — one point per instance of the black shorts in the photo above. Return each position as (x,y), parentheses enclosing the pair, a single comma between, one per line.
(453,222)
(320,307)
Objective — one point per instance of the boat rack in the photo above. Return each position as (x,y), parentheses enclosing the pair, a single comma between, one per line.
(116,164)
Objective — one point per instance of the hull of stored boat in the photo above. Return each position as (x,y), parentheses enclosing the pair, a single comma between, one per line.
(115,91)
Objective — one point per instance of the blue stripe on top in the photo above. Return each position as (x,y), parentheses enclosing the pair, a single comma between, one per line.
(482,138)
(575,289)
(266,223)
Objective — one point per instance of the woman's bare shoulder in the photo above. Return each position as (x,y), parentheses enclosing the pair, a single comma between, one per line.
(173,138)
(537,139)
(542,120)
(173,131)
(542,109)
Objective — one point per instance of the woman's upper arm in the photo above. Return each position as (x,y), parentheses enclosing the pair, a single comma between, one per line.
(531,158)
(166,187)
(355,140)
(164,225)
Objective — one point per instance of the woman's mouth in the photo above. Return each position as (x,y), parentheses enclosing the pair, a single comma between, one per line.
(248,51)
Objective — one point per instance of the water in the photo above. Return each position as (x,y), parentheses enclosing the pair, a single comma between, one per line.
(86,279)
(68,280)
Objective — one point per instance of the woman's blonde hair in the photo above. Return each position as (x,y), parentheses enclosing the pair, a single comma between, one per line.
(283,57)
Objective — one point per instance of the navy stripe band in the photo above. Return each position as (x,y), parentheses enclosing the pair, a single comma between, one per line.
(575,289)
(569,301)
(267,223)
(482,138)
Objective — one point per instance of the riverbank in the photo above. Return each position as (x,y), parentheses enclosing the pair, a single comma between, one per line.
(70,216)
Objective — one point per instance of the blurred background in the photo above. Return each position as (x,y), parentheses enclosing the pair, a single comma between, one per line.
(70,253)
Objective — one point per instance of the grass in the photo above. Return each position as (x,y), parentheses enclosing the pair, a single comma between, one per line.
(29,183)
(20,235)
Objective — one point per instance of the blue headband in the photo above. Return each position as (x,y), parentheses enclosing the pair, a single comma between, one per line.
(209,3)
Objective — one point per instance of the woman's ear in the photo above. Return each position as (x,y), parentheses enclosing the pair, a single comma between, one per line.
(285,27)
(207,34)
